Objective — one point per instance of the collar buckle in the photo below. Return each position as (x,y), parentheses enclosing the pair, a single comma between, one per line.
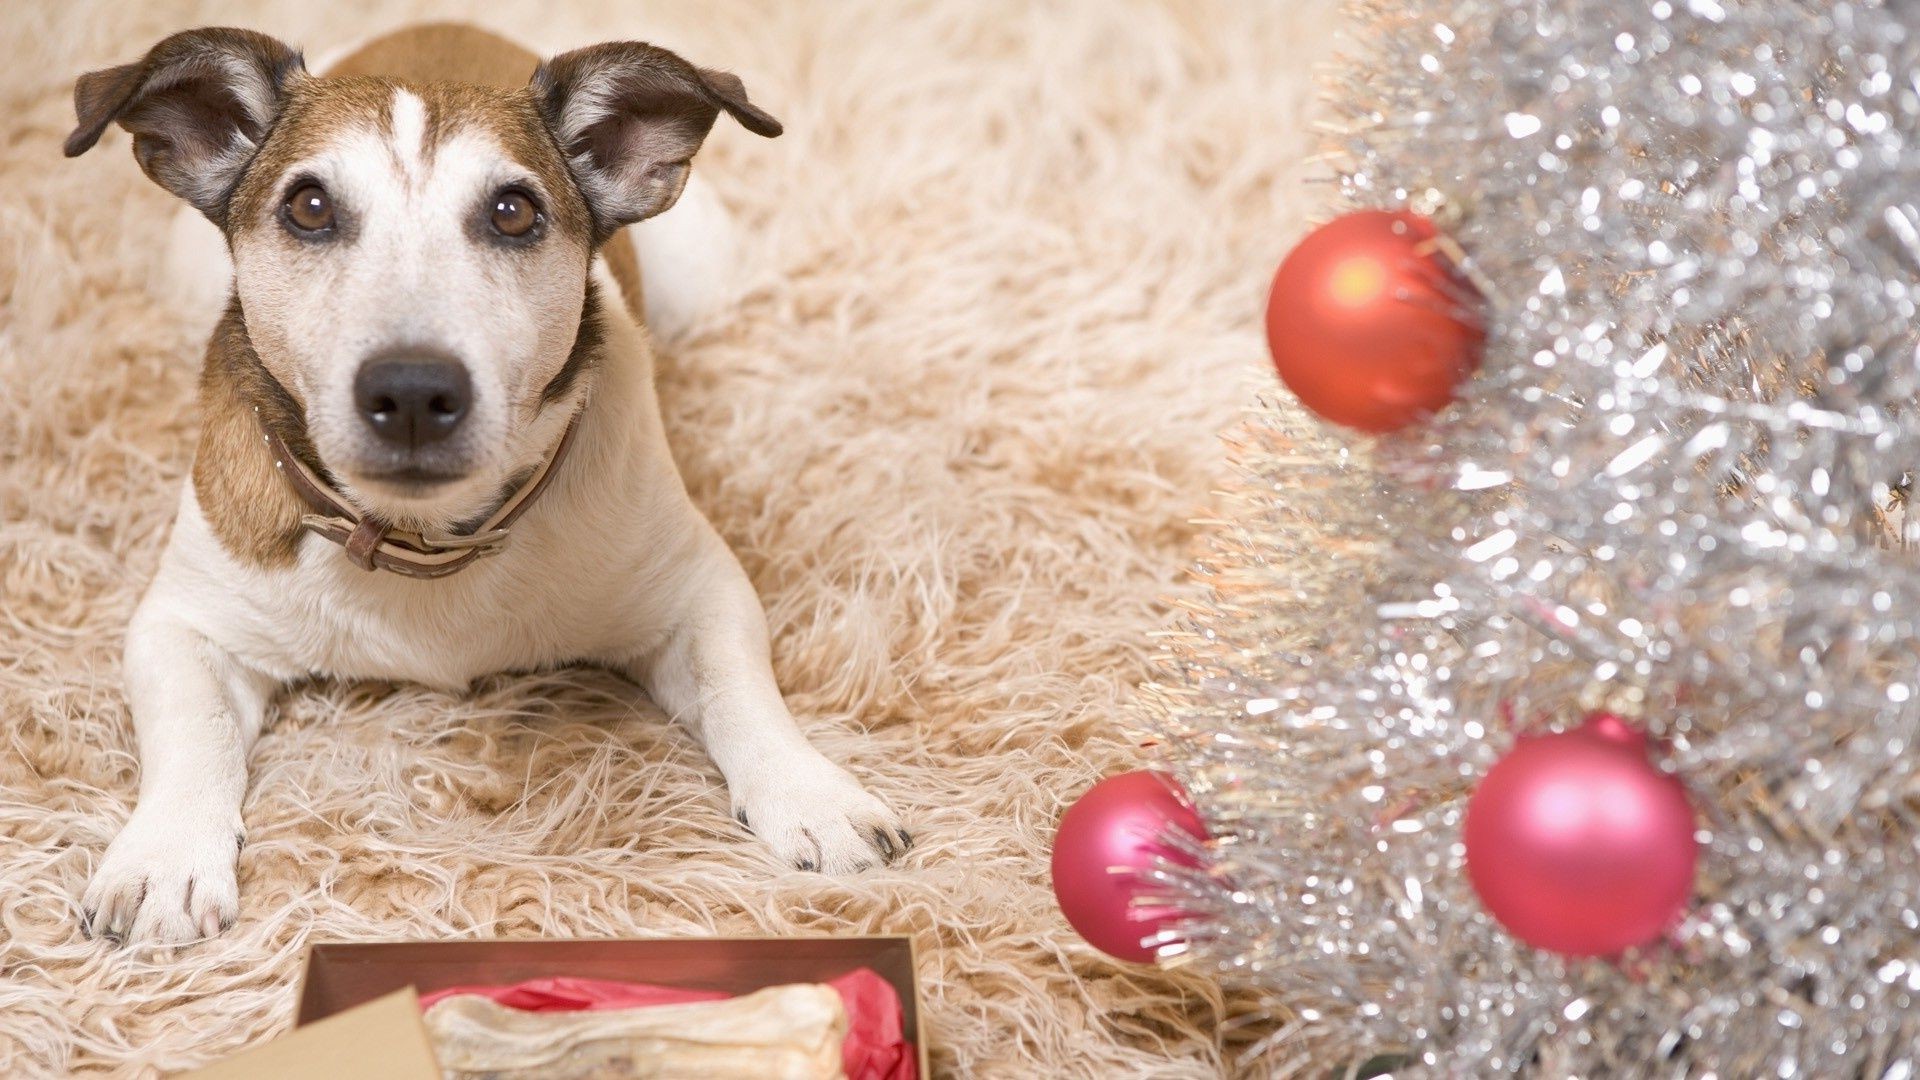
(487,541)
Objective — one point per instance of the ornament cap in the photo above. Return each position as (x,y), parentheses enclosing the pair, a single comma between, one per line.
(1612,728)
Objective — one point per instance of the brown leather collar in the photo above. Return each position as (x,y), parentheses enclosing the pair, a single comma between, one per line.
(372,544)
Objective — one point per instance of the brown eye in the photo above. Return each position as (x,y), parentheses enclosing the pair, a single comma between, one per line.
(514,213)
(310,209)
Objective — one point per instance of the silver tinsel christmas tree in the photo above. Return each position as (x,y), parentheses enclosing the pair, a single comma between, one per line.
(1675,490)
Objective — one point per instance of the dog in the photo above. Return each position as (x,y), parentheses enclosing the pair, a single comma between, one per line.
(430,447)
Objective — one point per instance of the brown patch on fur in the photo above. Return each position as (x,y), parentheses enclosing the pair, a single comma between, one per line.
(252,510)
(442,52)
(315,112)
(510,117)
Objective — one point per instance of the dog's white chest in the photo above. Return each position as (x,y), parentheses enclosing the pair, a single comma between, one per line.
(552,597)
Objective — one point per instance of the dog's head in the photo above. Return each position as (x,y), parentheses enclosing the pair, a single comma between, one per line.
(411,261)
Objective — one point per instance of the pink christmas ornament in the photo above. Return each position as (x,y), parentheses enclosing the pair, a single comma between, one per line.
(1578,845)
(1106,840)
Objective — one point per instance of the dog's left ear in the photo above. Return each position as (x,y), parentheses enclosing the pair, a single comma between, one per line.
(198,105)
(630,117)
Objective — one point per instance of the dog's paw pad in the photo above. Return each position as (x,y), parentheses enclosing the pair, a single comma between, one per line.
(163,885)
(817,817)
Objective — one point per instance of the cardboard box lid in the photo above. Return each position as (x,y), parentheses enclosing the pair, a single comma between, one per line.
(380,1040)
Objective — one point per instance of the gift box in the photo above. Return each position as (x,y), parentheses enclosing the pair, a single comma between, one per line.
(339,976)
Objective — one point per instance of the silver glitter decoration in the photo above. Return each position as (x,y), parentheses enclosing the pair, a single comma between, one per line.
(1676,490)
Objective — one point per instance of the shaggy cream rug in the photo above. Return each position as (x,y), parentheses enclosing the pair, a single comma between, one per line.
(1002,286)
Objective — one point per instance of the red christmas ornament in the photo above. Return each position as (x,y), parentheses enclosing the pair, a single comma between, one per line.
(1368,326)
(1106,841)
(1578,845)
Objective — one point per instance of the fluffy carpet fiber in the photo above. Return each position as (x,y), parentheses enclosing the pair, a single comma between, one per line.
(1001,287)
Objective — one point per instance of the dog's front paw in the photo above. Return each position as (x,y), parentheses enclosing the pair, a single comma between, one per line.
(166,879)
(816,816)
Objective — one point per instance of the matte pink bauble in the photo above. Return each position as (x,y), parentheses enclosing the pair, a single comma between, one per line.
(1105,841)
(1578,845)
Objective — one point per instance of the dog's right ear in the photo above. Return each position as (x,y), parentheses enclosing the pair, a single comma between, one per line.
(198,104)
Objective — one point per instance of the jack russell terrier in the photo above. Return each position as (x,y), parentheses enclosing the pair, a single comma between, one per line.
(419,366)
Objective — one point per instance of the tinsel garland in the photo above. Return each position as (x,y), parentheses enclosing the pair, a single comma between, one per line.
(1675,490)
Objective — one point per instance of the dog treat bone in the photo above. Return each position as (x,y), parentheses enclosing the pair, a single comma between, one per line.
(789,1032)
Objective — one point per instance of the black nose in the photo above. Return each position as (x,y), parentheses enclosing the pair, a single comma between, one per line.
(412,400)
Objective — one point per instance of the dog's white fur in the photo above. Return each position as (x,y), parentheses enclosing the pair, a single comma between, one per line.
(614,565)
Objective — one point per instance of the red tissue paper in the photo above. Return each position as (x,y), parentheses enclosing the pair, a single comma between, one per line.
(875,1049)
